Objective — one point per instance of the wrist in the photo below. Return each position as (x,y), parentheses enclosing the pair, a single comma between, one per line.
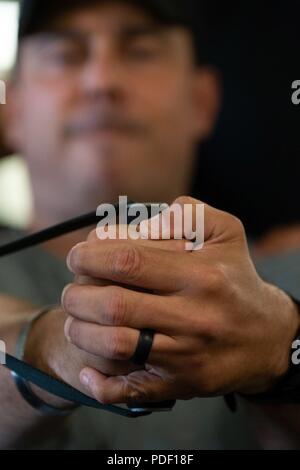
(45,351)
(285,386)
(286,315)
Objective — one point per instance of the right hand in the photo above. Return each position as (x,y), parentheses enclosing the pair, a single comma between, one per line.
(48,349)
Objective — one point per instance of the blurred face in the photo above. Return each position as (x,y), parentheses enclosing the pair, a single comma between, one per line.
(109,103)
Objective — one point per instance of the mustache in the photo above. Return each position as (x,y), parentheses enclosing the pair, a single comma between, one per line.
(103,121)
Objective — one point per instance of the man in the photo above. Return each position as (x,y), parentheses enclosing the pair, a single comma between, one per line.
(108,99)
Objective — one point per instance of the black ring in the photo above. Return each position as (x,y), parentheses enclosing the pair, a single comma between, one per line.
(143,348)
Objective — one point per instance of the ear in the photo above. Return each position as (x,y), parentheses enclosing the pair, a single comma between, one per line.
(11,129)
(207,100)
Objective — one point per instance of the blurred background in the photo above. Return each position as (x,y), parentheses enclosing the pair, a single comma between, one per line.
(251,166)
(15,199)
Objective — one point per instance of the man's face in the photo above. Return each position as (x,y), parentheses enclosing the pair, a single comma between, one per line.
(108,104)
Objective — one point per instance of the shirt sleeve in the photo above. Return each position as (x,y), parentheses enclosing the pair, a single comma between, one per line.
(283,271)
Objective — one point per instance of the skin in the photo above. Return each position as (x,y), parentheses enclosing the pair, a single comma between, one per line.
(122,115)
(114,99)
(215,322)
(151,102)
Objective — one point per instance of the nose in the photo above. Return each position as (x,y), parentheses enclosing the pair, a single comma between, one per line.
(103,73)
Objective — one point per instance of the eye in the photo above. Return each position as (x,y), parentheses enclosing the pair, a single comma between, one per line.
(64,55)
(143,50)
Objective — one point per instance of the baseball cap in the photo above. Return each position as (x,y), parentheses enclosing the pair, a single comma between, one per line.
(35,15)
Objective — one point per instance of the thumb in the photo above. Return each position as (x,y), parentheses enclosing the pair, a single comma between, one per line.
(192,219)
(137,387)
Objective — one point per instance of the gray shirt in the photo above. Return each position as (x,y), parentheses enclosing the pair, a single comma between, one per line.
(38,277)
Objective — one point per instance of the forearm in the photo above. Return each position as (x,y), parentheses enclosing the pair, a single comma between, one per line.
(18,419)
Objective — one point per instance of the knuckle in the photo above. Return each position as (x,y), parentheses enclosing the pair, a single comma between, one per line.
(116,307)
(138,395)
(127,262)
(238,225)
(214,329)
(182,200)
(215,280)
(135,392)
(116,347)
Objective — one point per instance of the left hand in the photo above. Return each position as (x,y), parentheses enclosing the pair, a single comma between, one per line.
(219,326)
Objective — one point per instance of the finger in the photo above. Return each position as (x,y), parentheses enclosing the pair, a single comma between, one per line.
(128,263)
(116,343)
(117,306)
(137,387)
(191,219)
(169,245)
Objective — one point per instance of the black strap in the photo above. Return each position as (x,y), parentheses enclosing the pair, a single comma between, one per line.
(61,389)
(45,381)
(63,228)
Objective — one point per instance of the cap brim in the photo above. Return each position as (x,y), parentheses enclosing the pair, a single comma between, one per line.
(35,15)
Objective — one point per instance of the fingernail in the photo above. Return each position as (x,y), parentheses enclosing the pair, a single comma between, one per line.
(67,328)
(69,257)
(64,293)
(85,379)
(68,260)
